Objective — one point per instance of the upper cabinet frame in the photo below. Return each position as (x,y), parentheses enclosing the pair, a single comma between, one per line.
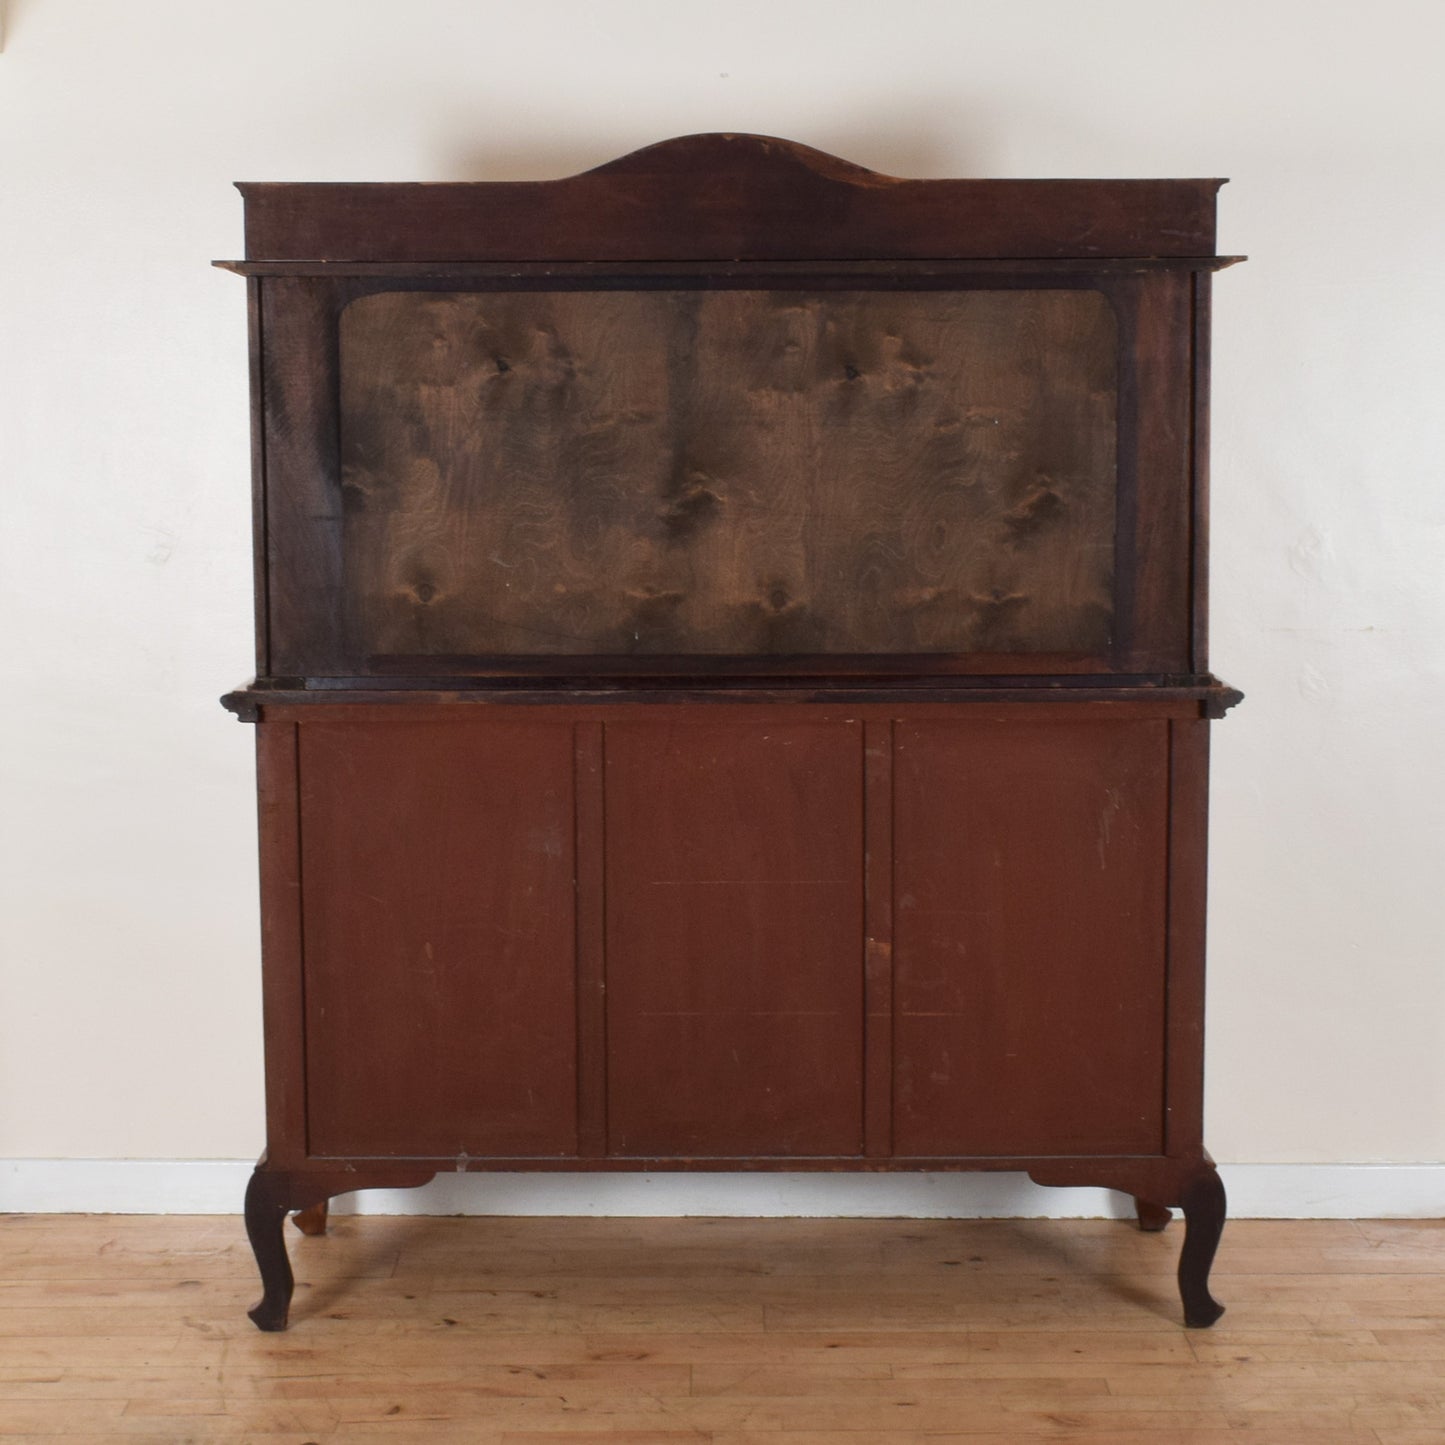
(730,406)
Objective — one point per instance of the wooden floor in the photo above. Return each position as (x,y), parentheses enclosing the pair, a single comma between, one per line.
(779,1332)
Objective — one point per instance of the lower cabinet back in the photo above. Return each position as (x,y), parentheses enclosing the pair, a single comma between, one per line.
(437,868)
(743,933)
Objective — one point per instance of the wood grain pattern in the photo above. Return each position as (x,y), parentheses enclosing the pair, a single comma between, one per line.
(1157,487)
(734,938)
(439,925)
(728,197)
(1202,287)
(1029,997)
(547,1331)
(303,533)
(734,472)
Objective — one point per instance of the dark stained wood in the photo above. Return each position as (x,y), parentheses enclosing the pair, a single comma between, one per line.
(438,860)
(1203,1202)
(1207,699)
(728,197)
(1029,943)
(727,675)
(1157,495)
(1199,453)
(272,1194)
(731,678)
(303,498)
(733,472)
(265,1215)
(1152,1217)
(260,511)
(315,518)
(702,668)
(312,578)
(734,938)
(824,275)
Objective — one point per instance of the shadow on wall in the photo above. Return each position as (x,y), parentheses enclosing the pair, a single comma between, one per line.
(784,1194)
(12,20)
(900,147)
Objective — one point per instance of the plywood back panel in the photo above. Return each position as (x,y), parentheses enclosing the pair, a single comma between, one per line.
(1029,869)
(734,938)
(439,931)
(732,472)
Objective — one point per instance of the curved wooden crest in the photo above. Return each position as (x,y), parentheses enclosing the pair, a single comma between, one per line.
(721,197)
(750,158)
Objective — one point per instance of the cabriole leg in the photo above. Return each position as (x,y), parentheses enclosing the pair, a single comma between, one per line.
(1152,1217)
(273,1194)
(265,1219)
(313,1220)
(1203,1203)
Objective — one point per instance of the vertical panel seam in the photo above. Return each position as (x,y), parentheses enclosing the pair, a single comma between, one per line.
(603,1071)
(1125,305)
(1166,1114)
(579,1083)
(892,896)
(865,1100)
(1201,302)
(301,943)
(589,902)
(261,543)
(1191,444)
(878,910)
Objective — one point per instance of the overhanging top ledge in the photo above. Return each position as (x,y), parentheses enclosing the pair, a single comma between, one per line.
(723,196)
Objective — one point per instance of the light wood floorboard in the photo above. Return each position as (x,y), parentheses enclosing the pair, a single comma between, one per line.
(720,1332)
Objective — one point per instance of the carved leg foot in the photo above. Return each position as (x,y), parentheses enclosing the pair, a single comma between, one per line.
(1204,1206)
(273,1194)
(313,1220)
(265,1218)
(1152,1217)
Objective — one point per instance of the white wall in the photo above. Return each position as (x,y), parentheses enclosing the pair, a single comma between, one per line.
(129,1018)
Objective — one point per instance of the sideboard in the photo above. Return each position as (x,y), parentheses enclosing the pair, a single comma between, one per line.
(731,686)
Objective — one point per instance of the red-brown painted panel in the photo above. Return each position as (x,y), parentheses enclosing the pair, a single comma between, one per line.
(437,862)
(1030,937)
(734,938)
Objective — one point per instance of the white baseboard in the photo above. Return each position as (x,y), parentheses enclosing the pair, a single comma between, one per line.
(206,1186)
